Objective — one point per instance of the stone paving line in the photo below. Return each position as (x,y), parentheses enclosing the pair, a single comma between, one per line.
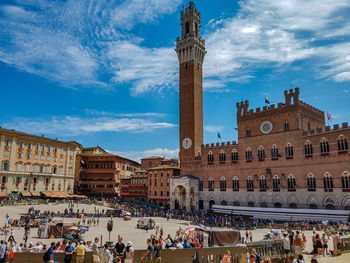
(128,230)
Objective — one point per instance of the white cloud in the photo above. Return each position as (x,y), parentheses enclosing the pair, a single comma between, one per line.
(130,12)
(148,69)
(71,125)
(213,129)
(77,42)
(272,33)
(138,155)
(128,115)
(339,66)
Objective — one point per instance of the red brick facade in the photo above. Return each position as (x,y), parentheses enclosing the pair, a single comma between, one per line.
(286,156)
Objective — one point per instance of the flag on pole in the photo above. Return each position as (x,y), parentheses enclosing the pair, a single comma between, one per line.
(267,100)
(219,136)
(329,117)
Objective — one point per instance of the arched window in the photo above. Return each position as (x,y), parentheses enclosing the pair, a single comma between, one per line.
(345,182)
(249,155)
(187,27)
(19,166)
(5,166)
(274,152)
(200,185)
(54,170)
(328,183)
(211,184)
(210,157)
(235,184)
(291,183)
(311,182)
(262,183)
(261,153)
(234,155)
(286,126)
(342,144)
(308,149)
(289,151)
(250,184)
(276,183)
(324,146)
(222,184)
(222,156)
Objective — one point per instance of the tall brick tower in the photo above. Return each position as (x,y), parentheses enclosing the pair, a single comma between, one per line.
(190,50)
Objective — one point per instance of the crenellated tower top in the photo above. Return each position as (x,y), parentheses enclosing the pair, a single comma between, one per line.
(191,46)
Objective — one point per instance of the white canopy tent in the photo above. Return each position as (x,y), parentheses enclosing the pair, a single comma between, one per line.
(284,214)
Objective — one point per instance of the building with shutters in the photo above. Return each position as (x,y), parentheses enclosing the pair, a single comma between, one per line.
(33,164)
(99,173)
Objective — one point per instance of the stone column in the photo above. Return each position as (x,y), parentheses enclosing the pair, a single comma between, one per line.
(188,200)
(172,195)
(196,202)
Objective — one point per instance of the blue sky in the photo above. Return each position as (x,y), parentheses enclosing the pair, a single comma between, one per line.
(106,73)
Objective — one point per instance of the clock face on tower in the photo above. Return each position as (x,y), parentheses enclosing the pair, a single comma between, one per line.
(186,143)
(266,127)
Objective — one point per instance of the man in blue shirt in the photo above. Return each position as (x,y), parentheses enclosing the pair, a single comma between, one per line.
(186,245)
(68,253)
(51,249)
(2,251)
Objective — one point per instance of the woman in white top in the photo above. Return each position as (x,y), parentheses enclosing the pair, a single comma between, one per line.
(129,253)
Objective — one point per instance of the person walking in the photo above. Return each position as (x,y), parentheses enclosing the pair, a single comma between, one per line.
(68,252)
(286,246)
(298,244)
(129,253)
(81,250)
(319,245)
(148,254)
(157,251)
(26,233)
(95,252)
(324,240)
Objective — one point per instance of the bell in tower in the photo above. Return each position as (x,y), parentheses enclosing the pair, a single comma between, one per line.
(190,50)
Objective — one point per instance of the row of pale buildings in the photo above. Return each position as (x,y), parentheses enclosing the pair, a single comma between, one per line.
(35,166)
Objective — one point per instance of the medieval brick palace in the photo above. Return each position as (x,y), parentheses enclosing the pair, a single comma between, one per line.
(285,155)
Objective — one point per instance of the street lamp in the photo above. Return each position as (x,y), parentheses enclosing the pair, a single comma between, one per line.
(110,228)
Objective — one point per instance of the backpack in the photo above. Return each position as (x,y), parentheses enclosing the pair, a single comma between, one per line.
(46,256)
(258,258)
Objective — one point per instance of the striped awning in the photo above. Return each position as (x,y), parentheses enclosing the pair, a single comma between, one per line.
(26,194)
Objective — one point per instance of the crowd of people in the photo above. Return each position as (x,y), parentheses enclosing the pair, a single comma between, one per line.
(293,238)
